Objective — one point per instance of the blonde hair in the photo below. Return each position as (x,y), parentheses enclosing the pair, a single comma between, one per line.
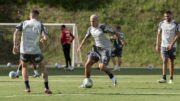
(94,16)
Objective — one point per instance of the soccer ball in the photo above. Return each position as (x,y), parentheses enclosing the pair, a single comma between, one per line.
(12,74)
(87,83)
(9,64)
(58,66)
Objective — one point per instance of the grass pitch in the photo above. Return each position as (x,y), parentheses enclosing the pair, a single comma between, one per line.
(133,85)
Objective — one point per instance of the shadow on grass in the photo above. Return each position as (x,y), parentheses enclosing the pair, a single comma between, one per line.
(94,71)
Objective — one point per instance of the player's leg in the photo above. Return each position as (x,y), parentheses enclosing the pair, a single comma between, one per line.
(36,73)
(24,59)
(65,55)
(164,56)
(105,57)
(38,59)
(171,70)
(19,70)
(103,67)
(69,57)
(114,63)
(92,58)
(113,59)
(172,55)
(88,66)
(119,62)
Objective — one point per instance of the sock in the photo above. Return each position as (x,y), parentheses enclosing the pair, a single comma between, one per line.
(110,76)
(46,85)
(36,72)
(164,77)
(171,77)
(27,84)
(18,72)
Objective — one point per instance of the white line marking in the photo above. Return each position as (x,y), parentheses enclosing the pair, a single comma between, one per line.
(82,94)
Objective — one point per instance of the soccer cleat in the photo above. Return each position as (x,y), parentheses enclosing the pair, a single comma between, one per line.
(116,69)
(27,90)
(35,76)
(17,76)
(82,86)
(162,81)
(47,91)
(170,82)
(70,68)
(114,81)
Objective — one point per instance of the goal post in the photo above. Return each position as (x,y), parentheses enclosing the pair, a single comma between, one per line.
(76,56)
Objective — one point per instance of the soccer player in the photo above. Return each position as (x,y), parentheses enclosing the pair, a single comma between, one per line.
(66,39)
(168,33)
(119,43)
(101,50)
(33,31)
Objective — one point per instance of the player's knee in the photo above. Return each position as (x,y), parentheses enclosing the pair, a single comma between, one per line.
(101,67)
(165,60)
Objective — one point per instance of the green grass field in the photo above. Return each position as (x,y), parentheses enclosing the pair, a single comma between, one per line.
(134,84)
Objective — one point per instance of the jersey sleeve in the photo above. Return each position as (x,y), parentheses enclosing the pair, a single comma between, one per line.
(106,29)
(44,30)
(20,26)
(178,27)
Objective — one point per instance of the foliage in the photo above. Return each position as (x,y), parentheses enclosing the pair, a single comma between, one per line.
(138,18)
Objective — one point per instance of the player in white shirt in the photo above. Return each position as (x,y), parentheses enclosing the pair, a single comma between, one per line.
(168,33)
(33,32)
(101,50)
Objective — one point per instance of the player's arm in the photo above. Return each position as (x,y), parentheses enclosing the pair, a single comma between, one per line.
(121,39)
(82,43)
(173,41)
(16,35)
(44,34)
(15,43)
(158,41)
(88,34)
(158,38)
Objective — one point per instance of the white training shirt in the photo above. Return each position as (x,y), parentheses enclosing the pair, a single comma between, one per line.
(99,35)
(168,31)
(31,33)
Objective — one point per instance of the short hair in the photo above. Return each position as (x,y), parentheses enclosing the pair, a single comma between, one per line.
(63,26)
(94,16)
(168,12)
(34,12)
(118,27)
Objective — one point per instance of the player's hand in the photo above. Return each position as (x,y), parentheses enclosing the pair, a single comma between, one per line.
(79,49)
(42,40)
(170,47)
(124,43)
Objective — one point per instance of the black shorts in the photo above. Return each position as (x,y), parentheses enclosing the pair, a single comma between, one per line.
(116,52)
(32,58)
(168,53)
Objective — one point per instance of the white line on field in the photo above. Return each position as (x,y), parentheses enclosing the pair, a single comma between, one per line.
(82,94)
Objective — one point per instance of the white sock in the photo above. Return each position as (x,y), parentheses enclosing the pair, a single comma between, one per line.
(36,72)
(18,72)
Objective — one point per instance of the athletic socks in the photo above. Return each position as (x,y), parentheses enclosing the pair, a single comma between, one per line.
(36,72)
(46,85)
(171,77)
(27,84)
(164,77)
